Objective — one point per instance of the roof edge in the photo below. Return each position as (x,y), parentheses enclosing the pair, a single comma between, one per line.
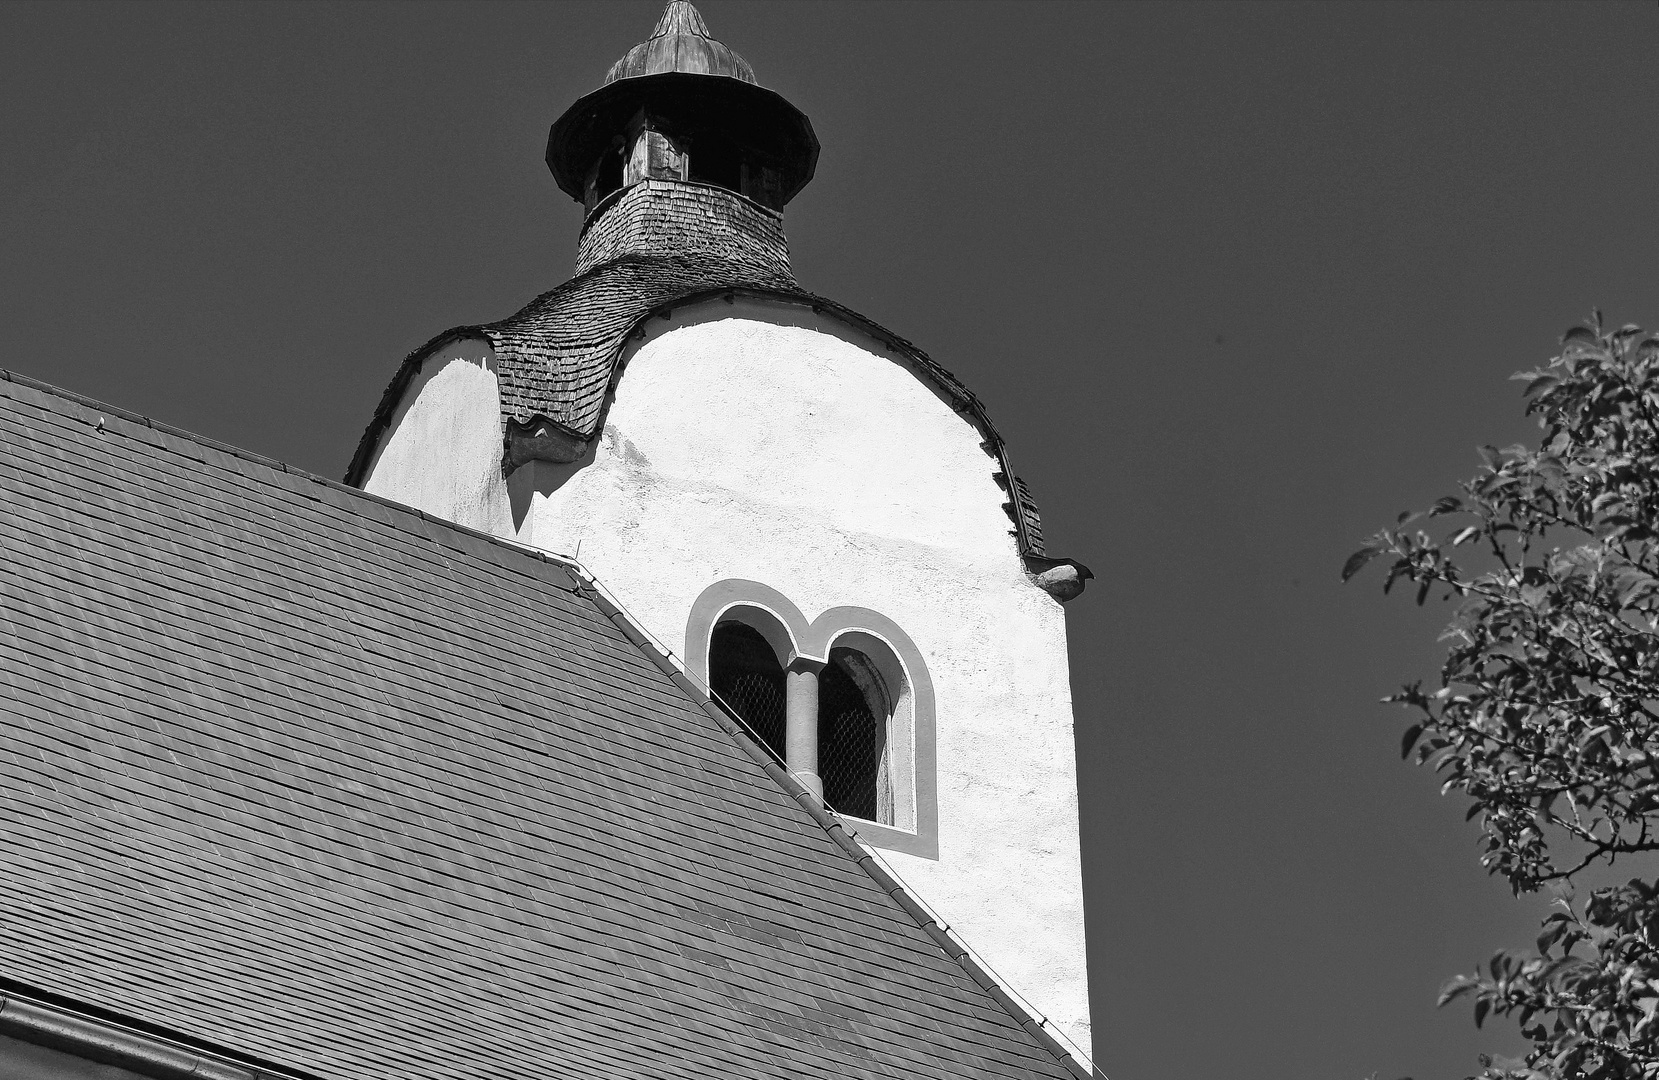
(393,394)
(48,1020)
(531,553)
(847,839)
(963,400)
(755,105)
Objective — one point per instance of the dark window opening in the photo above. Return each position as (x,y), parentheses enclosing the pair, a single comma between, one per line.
(715,161)
(607,177)
(852,741)
(745,674)
(764,185)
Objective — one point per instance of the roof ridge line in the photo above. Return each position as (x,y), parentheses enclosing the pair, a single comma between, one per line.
(977,970)
(138,419)
(389,398)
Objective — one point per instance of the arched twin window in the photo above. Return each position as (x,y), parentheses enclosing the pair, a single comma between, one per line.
(859,717)
(854,711)
(745,674)
(834,700)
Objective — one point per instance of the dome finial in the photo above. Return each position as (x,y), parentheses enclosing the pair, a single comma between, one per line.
(680,17)
(680,42)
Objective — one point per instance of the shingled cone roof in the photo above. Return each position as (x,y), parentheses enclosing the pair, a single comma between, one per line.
(311,785)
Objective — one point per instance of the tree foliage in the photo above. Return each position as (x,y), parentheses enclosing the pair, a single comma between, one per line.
(1547,712)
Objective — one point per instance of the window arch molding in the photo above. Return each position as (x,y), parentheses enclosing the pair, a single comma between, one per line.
(888,651)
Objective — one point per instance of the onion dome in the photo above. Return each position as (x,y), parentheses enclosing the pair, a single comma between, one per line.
(681,42)
(708,115)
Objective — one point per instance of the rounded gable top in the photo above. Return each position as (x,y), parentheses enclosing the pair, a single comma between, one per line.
(681,43)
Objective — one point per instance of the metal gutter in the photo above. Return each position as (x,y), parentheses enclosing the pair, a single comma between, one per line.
(110,1042)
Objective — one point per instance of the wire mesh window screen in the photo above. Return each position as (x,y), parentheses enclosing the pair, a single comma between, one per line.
(746,675)
(852,740)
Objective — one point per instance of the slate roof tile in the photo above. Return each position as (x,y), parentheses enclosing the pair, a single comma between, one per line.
(289,770)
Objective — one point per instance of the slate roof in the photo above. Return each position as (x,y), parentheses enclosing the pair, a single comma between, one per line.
(294,771)
(560,357)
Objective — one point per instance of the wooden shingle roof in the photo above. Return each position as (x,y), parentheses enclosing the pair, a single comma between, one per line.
(300,774)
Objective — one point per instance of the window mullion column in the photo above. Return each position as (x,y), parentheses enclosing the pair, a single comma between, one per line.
(801,720)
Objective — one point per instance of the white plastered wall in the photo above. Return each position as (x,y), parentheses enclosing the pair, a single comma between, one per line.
(442,450)
(758,441)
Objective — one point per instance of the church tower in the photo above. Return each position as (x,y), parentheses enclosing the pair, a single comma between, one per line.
(813,516)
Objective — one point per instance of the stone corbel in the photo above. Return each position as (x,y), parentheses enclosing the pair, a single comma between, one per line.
(540,439)
(1062,579)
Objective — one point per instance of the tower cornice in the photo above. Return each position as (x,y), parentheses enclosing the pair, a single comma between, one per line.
(681,103)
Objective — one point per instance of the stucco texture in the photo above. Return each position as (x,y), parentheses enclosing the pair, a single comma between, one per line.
(442,450)
(763,442)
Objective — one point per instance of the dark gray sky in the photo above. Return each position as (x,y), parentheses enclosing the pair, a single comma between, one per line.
(1238,283)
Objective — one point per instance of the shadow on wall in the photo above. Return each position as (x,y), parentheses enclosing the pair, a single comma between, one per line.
(542,477)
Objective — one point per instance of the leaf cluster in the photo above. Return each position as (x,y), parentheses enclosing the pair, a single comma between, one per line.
(1547,711)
